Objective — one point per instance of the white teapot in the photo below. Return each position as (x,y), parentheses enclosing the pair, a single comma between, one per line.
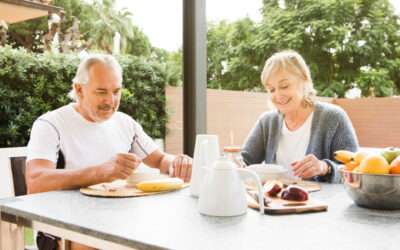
(223,193)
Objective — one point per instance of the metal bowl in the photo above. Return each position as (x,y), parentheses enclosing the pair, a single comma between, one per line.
(372,190)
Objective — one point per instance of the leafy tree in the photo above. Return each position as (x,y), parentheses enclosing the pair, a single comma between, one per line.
(345,43)
(104,21)
(174,66)
(28,34)
(230,53)
(98,23)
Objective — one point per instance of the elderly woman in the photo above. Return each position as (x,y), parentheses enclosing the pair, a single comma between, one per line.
(302,134)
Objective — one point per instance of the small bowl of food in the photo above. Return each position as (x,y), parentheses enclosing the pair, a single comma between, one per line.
(268,172)
(138,177)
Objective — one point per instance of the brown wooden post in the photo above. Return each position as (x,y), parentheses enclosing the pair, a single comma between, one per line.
(194,72)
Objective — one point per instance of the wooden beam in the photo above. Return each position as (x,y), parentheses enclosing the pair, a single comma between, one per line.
(194,72)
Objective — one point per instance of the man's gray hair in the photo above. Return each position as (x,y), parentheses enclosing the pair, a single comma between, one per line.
(82,74)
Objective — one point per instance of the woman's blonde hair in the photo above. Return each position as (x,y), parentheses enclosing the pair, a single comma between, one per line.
(294,63)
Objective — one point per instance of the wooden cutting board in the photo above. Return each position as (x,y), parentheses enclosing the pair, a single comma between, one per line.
(119,188)
(279,206)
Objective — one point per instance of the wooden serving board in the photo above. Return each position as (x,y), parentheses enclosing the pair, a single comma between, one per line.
(119,188)
(279,206)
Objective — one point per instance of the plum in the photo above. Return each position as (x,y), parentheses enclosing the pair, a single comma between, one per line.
(294,193)
(273,188)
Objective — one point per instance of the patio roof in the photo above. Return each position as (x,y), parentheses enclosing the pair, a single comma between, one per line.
(14,11)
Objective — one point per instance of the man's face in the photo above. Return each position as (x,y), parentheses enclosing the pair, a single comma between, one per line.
(100,97)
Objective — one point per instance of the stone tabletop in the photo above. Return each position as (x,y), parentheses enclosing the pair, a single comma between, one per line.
(172,221)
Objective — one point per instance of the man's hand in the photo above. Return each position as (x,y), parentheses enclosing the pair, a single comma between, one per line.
(120,167)
(309,167)
(42,175)
(181,167)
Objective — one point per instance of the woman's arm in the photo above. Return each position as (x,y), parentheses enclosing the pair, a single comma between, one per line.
(253,151)
(344,139)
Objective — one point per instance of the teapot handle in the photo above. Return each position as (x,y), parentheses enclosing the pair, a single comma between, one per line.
(248,173)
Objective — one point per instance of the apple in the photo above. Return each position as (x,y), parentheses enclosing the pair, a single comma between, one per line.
(390,153)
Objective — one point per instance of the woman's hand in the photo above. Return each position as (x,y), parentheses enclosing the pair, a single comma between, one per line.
(309,167)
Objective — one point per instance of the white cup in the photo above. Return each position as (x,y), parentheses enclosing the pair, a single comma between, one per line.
(206,152)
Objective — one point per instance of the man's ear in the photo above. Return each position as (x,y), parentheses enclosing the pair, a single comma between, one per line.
(78,90)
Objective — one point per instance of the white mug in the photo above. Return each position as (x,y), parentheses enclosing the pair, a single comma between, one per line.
(206,152)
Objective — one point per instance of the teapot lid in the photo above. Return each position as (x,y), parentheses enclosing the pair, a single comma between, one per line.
(232,149)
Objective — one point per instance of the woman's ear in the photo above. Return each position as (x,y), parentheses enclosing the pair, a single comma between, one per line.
(303,86)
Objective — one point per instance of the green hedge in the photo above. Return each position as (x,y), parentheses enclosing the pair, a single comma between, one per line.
(32,84)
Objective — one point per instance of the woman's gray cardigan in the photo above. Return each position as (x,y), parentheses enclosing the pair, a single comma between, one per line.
(331,130)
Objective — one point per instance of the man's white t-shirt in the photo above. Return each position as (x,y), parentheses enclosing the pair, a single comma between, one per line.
(84,143)
(293,145)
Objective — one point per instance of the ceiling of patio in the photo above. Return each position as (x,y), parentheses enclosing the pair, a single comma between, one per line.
(13,11)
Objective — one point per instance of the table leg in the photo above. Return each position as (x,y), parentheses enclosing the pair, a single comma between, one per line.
(19,236)
(11,236)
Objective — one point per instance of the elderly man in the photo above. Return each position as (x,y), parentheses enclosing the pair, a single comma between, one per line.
(90,139)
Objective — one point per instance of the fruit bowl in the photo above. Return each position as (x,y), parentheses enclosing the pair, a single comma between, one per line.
(378,191)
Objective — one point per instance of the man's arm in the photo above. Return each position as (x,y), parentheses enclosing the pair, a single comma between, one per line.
(180,165)
(42,175)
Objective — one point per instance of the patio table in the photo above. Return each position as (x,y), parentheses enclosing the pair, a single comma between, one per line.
(172,221)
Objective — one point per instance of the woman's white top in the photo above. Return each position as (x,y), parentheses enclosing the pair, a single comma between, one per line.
(292,145)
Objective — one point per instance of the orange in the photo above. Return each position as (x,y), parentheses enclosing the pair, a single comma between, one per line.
(395,166)
(374,164)
(350,165)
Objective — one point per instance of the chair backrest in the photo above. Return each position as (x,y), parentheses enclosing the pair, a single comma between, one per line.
(6,174)
(18,165)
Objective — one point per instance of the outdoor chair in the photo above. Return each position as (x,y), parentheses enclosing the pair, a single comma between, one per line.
(12,183)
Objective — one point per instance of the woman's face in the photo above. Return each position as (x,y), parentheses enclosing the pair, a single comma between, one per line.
(286,90)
